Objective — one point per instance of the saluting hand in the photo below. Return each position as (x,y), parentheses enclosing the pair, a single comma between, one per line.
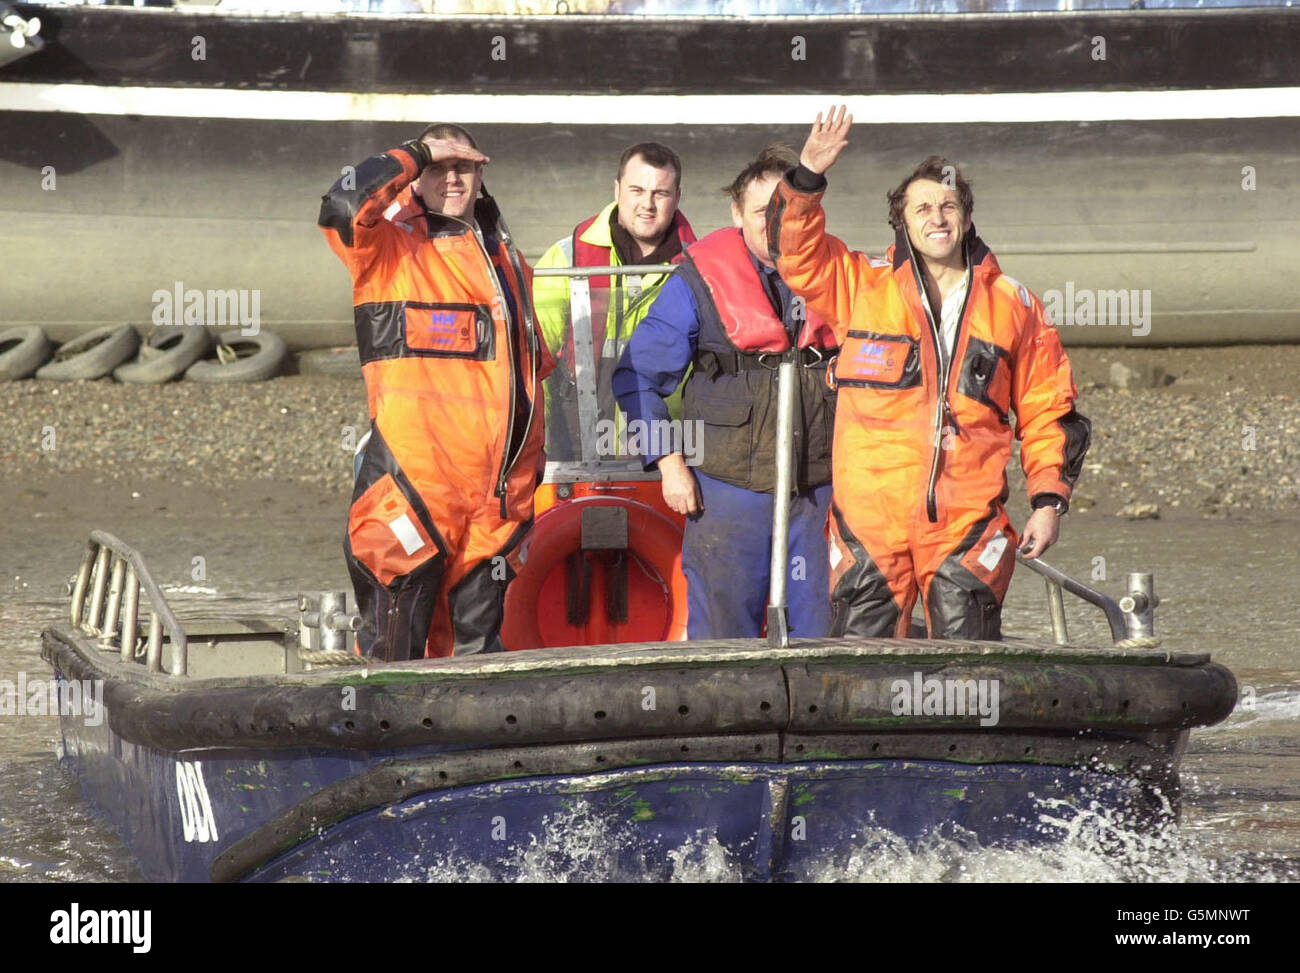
(442,150)
(826,140)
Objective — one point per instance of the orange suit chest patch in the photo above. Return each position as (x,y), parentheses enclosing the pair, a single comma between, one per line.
(878,360)
(449,330)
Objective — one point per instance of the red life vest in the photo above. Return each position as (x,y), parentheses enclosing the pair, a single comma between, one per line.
(744,309)
(729,390)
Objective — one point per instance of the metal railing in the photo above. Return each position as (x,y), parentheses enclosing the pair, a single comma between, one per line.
(1132,617)
(106,605)
(324,622)
(584,352)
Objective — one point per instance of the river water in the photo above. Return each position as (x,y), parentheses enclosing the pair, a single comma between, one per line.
(1226,586)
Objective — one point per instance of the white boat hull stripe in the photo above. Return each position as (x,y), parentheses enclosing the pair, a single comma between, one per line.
(654,110)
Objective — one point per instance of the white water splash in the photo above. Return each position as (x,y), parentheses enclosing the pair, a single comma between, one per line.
(1099,844)
(1281,706)
(575,846)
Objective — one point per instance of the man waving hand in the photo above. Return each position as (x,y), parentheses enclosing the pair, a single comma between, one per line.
(939,349)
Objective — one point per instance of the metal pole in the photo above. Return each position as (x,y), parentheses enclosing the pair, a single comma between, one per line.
(153,654)
(324,622)
(130,614)
(100,580)
(82,582)
(778,618)
(1139,605)
(1056,605)
(109,629)
(585,356)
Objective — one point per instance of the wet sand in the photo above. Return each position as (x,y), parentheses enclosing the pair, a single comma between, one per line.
(255,481)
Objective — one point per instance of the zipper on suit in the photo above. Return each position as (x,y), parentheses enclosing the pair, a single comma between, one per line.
(504,470)
(943,372)
(534,354)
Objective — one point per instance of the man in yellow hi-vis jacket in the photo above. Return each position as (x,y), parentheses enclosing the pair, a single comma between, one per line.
(641,226)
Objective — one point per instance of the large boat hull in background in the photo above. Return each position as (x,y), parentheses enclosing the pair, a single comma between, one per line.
(105,202)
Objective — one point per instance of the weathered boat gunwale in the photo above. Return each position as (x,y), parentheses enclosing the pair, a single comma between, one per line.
(583,660)
(816,690)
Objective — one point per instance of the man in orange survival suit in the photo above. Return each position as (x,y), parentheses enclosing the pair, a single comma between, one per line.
(453,367)
(938,349)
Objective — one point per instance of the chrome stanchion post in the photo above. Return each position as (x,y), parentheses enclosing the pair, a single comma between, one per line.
(778,612)
(1056,607)
(1139,605)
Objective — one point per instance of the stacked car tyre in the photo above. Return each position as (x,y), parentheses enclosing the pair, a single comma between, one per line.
(22,352)
(91,355)
(165,356)
(241,358)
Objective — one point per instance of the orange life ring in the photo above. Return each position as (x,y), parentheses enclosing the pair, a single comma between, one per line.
(535,615)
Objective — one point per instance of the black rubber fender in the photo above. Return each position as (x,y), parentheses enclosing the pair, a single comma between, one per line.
(22,351)
(166,355)
(91,355)
(259,356)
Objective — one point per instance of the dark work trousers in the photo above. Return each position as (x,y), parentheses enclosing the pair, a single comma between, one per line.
(726,558)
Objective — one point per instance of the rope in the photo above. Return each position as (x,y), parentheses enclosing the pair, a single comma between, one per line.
(333,657)
(1139,642)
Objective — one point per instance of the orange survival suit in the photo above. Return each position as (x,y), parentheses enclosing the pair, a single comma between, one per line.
(453,366)
(920,458)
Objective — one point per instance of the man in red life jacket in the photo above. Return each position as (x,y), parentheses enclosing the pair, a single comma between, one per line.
(453,368)
(727,312)
(641,226)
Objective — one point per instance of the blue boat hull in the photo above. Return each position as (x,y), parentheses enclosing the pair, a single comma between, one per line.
(660,823)
(179,813)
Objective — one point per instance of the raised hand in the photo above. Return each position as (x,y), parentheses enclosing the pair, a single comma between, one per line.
(443,150)
(826,140)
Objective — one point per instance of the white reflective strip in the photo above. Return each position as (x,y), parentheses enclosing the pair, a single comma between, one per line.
(760,109)
(993,551)
(406,534)
(836,556)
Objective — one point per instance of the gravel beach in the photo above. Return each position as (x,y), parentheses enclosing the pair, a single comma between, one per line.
(1219,436)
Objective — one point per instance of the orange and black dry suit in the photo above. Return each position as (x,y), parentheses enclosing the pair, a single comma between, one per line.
(453,366)
(920,456)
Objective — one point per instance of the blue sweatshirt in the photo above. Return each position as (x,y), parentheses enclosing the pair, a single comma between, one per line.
(663,346)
